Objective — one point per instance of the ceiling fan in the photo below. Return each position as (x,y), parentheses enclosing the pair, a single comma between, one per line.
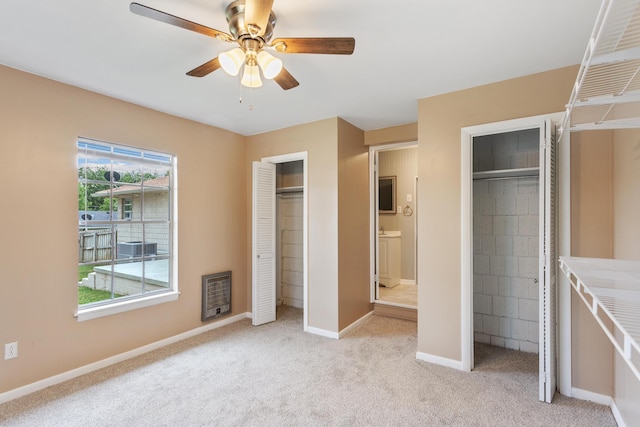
(251,24)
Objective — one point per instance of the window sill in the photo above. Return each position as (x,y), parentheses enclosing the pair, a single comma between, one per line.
(120,307)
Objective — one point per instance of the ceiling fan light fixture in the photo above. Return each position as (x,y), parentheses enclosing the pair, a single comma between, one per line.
(232,60)
(251,76)
(271,66)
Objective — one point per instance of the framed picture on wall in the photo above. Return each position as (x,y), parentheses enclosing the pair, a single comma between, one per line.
(387,195)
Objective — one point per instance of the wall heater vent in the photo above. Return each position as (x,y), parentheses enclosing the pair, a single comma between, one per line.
(216,295)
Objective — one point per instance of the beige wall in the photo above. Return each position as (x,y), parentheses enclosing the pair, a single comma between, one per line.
(440,119)
(353,225)
(338,276)
(40,121)
(320,141)
(591,236)
(605,176)
(626,198)
(391,135)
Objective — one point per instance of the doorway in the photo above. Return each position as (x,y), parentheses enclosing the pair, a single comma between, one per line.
(279,236)
(393,185)
(509,241)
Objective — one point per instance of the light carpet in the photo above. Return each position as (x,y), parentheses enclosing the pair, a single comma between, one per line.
(278,375)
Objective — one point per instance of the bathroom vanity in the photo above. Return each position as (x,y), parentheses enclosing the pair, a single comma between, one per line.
(390,258)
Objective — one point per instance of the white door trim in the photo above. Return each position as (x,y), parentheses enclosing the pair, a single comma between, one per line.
(564,236)
(292,157)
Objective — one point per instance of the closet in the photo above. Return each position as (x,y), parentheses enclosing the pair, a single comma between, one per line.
(279,236)
(509,241)
(506,233)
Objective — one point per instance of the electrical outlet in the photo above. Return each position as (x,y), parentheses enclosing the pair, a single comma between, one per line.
(11,350)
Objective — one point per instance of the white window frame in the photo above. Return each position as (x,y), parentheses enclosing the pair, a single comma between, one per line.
(127,208)
(110,307)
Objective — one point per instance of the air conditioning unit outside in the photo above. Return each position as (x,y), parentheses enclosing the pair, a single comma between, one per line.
(134,249)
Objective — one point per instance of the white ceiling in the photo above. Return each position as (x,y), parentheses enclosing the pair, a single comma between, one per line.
(405,50)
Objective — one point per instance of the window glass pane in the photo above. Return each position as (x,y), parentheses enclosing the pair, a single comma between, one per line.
(124,213)
(128,201)
(129,238)
(158,235)
(95,245)
(156,203)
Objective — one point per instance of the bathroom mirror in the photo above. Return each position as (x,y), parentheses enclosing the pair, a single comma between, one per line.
(387,195)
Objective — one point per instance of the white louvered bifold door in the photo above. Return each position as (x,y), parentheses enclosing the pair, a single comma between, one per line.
(264,243)
(548,263)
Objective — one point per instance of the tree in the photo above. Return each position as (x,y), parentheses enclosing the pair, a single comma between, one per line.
(87,186)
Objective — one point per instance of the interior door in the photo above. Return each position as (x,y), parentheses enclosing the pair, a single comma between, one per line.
(548,265)
(263,250)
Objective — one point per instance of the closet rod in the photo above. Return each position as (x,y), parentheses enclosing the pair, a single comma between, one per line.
(289,190)
(284,193)
(504,177)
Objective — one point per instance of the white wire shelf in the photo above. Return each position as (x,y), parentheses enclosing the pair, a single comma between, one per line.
(606,94)
(611,290)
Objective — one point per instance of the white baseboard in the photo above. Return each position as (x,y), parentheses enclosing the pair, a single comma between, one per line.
(74,373)
(323,332)
(355,324)
(442,361)
(601,399)
(407,282)
(616,414)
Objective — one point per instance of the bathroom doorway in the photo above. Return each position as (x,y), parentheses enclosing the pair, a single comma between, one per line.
(393,185)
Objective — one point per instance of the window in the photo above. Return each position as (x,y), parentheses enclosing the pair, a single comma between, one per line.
(126,229)
(127,208)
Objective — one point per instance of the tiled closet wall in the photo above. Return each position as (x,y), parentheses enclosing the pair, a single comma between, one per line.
(289,238)
(290,259)
(506,229)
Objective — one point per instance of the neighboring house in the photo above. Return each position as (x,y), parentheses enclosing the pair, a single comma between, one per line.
(150,200)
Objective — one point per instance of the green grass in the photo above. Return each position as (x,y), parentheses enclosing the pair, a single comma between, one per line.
(83,271)
(87,295)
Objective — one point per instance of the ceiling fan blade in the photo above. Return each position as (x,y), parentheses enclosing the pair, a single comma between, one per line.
(204,69)
(328,45)
(256,15)
(149,12)
(286,80)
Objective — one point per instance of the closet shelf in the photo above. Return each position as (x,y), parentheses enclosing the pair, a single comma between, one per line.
(606,94)
(296,189)
(507,173)
(611,290)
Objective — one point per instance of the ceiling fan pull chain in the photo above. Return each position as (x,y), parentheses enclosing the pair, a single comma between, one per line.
(250,99)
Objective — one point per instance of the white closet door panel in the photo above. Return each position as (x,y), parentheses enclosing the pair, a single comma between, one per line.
(264,243)
(548,257)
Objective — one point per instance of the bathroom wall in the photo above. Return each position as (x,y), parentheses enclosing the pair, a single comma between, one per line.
(402,164)
(506,230)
